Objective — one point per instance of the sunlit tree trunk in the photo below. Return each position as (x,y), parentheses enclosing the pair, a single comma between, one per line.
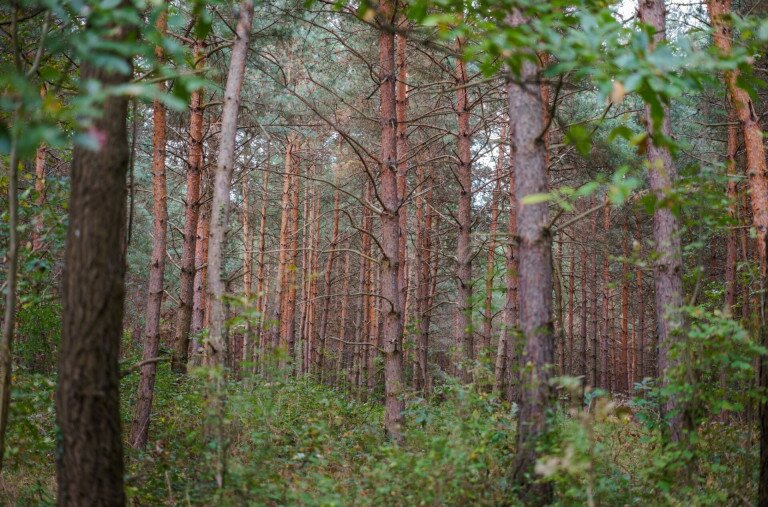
(191,215)
(215,351)
(40,156)
(141,419)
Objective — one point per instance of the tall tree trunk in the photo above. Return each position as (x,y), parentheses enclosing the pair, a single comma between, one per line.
(284,243)
(506,352)
(640,371)
(606,340)
(571,303)
(38,229)
(261,289)
(464,330)
(756,169)
(401,112)
(141,419)
(423,272)
(535,274)
(247,267)
(191,215)
(490,263)
(200,296)
(668,267)
(327,284)
(583,346)
(624,357)
(392,331)
(594,331)
(9,315)
(89,457)
(733,200)
(288,320)
(216,346)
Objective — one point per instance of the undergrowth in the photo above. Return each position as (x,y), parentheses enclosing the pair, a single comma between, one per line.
(296,442)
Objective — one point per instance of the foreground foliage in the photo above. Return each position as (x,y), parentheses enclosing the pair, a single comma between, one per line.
(295,442)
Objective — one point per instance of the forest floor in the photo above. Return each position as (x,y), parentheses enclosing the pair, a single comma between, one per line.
(296,442)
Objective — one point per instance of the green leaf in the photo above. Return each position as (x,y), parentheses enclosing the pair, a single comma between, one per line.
(535,198)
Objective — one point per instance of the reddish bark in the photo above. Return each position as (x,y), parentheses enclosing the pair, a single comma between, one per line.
(146,391)
(392,331)
(623,370)
(733,199)
(191,215)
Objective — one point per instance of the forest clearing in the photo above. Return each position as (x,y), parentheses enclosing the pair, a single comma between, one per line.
(394,252)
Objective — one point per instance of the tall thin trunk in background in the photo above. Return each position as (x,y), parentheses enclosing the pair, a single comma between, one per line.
(191,215)
(624,357)
(247,265)
(733,202)
(606,344)
(392,330)
(327,283)
(571,303)
(216,345)
(9,315)
(288,320)
(200,295)
(490,263)
(641,356)
(423,277)
(284,243)
(141,419)
(507,350)
(535,274)
(662,174)
(584,304)
(594,329)
(464,330)
(40,156)
(401,112)
(261,286)
(89,456)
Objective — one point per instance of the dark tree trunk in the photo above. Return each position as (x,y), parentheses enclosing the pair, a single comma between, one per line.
(89,459)
(535,276)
